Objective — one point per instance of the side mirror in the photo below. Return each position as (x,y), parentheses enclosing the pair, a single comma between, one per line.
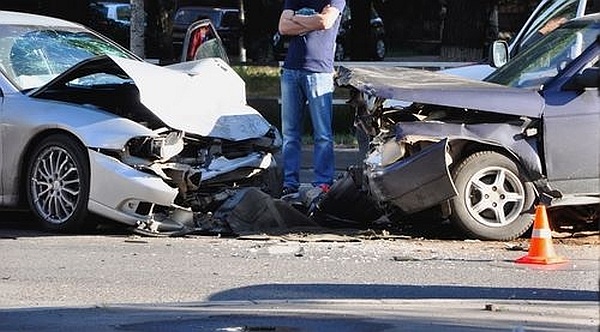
(589,78)
(499,54)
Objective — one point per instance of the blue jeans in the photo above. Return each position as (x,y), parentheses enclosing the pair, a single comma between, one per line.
(299,88)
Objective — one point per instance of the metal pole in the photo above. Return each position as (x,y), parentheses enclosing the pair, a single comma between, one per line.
(243,28)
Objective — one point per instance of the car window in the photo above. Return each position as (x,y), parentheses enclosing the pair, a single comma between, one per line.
(31,57)
(187,16)
(124,13)
(544,60)
(230,19)
(592,6)
(566,9)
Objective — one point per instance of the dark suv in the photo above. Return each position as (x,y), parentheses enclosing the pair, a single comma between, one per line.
(225,20)
(343,51)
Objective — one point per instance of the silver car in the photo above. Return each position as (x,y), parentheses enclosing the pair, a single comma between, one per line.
(484,153)
(87,127)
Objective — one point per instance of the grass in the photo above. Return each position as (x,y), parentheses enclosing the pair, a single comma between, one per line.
(261,81)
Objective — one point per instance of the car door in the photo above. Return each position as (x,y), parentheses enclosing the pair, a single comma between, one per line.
(571,129)
(202,41)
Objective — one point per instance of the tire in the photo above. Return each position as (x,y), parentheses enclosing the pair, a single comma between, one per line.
(379,49)
(495,199)
(340,52)
(58,184)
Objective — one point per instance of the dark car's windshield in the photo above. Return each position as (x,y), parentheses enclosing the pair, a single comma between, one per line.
(31,56)
(547,57)
(187,16)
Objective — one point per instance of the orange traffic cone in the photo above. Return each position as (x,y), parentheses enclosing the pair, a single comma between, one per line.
(541,250)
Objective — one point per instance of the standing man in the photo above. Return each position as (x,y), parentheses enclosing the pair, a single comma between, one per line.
(307,77)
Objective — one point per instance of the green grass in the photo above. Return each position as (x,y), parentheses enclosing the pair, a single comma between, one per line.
(261,81)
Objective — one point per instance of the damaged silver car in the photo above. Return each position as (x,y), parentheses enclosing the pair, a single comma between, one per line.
(87,127)
(484,153)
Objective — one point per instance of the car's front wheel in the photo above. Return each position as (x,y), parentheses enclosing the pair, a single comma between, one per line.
(58,184)
(495,198)
(379,51)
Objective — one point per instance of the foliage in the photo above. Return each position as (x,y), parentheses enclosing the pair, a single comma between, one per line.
(261,81)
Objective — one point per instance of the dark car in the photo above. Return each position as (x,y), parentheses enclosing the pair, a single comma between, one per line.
(485,153)
(343,50)
(225,20)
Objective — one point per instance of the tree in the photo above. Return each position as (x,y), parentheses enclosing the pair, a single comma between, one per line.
(136,29)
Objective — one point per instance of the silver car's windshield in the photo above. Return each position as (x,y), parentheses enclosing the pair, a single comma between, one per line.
(546,58)
(31,56)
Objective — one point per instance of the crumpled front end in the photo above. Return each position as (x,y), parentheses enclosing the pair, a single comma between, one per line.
(166,182)
(412,183)
(411,144)
(166,145)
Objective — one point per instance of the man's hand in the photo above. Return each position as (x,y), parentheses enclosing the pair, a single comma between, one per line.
(552,25)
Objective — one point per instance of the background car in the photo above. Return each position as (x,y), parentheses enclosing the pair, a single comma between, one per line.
(116,11)
(343,51)
(89,128)
(376,42)
(225,20)
(484,153)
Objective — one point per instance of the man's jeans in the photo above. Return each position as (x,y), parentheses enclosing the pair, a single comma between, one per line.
(297,88)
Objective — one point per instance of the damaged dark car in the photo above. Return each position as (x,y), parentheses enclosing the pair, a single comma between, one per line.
(483,154)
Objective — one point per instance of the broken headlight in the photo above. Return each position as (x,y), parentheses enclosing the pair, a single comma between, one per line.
(163,147)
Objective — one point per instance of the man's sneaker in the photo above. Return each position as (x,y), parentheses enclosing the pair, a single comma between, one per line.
(289,193)
(324,187)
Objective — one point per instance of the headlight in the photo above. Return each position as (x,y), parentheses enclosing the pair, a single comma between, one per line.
(163,147)
(386,154)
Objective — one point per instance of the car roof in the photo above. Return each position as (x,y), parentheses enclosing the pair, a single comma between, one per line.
(17,18)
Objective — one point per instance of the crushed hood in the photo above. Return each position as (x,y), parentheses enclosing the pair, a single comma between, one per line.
(204,97)
(436,88)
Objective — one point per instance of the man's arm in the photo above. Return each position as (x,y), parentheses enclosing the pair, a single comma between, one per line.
(290,24)
(287,26)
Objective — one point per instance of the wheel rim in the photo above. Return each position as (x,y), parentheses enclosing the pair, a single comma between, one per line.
(55,185)
(380,49)
(495,196)
(339,52)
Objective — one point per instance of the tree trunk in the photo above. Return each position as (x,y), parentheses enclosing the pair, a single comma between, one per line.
(136,32)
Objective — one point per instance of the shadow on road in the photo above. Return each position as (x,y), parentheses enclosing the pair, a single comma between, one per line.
(15,224)
(336,291)
(249,309)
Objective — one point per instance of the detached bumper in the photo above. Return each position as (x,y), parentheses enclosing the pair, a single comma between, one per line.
(415,183)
